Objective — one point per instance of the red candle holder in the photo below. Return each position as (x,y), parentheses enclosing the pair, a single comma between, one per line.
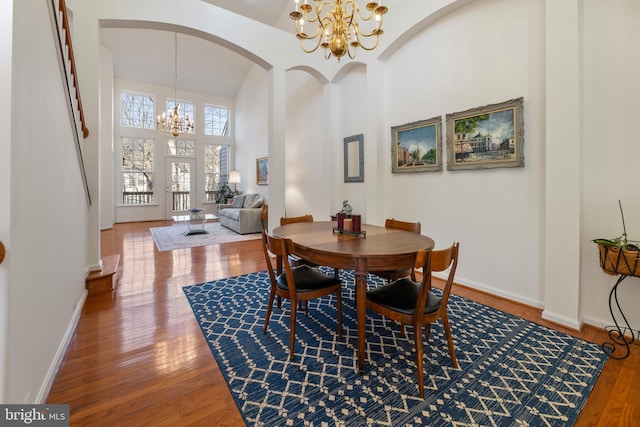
(356,223)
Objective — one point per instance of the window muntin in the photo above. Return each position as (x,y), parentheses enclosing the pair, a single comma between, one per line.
(181,147)
(216,168)
(186,109)
(216,120)
(137,110)
(137,171)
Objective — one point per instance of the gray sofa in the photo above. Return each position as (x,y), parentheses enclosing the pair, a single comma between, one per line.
(243,215)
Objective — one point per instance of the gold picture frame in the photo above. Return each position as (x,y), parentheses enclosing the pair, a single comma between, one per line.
(486,137)
(417,146)
(262,171)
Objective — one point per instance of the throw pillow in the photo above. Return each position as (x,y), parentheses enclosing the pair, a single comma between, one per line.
(258,201)
(238,201)
(248,201)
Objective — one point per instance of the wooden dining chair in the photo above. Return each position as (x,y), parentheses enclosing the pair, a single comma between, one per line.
(412,303)
(294,259)
(297,284)
(264,217)
(413,227)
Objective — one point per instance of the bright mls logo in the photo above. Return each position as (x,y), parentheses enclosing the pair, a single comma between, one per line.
(34,415)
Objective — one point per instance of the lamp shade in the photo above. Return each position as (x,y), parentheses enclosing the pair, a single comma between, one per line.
(234,177)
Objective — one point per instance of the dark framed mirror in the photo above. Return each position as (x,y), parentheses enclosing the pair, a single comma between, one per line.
(354,158)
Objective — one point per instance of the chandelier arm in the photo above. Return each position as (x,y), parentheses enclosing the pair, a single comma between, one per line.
(312,49)
(371,47)
(318,9)
(356,8)
(375,32)
(304,36)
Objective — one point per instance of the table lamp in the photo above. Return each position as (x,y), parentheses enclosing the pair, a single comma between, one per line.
(234,178)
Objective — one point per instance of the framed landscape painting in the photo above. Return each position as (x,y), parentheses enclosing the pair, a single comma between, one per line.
(262,171)
(417,146)
(486,137)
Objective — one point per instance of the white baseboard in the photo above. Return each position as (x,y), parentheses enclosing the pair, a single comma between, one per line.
(562,320)
(493,291)
(62,348)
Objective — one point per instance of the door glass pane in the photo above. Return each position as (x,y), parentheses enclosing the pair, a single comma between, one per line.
(181,185)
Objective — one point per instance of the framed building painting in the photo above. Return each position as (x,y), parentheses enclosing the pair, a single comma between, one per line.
(262,171)
(417,146)
(486,137)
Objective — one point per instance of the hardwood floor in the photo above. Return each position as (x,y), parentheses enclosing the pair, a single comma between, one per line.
(138,356)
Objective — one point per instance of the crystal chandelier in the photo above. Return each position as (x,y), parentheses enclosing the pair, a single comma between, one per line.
(337,26)
(175,124)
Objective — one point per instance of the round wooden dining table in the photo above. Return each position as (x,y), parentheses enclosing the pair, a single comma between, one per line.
(380,249)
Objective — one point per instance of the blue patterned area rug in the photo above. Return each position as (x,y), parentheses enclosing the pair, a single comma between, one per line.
(512,371)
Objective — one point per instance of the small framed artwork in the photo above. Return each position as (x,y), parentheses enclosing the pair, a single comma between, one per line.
(262,171)
(486,137)
(354,158)
(417,146)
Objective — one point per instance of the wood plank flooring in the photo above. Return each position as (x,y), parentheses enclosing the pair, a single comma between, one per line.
(138,356)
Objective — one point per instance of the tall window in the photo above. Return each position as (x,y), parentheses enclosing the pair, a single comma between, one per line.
(181,147)
(137,171)
(216,120)
(137,110)
(185,108)
(216,168)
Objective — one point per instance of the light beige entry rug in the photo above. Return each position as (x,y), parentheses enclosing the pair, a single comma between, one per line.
(170,238)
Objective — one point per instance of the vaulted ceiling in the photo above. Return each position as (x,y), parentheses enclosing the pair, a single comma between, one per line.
(145,55)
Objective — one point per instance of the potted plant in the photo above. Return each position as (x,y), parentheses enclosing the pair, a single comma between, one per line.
(619,255)
(225,193)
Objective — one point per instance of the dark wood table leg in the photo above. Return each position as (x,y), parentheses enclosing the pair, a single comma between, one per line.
(361,307)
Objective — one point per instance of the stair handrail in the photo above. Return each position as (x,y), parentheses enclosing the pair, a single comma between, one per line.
(60,21)
(62,7)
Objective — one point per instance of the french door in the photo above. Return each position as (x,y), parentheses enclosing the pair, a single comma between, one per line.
(180,185)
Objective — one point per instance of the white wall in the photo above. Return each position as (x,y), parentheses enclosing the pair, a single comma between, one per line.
(611,90)
(453,65)
(251,129)
(49,248)
(6,49)
(308,149)
(107,162)
(352,111)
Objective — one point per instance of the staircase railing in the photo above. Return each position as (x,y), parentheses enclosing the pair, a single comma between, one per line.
(60,22)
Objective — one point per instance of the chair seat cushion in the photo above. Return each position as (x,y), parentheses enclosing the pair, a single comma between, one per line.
(401,296)
(307,279)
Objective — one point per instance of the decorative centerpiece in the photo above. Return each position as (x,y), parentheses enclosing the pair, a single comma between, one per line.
(195,211)
(619,255)
(348,223)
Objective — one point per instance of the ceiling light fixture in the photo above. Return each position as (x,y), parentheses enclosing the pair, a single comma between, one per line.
(175,124)
(336,26)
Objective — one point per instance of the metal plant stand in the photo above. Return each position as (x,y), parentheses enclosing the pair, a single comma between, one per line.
(617,336)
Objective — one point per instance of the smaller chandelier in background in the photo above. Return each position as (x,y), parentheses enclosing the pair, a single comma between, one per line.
(336,26)
(175,124)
